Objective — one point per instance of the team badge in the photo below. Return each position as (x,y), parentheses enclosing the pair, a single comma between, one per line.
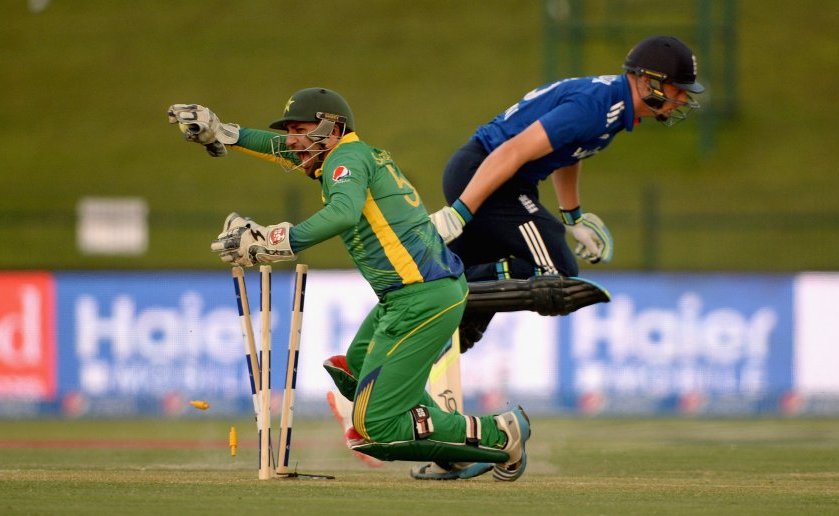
(276,235)
(340,173)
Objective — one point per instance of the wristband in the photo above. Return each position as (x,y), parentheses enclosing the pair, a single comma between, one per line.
(570,216)
(463,211)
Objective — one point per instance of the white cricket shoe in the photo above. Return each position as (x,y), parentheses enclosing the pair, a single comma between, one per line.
(516,425)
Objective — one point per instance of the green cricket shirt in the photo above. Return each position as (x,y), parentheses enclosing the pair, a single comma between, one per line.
(375,210)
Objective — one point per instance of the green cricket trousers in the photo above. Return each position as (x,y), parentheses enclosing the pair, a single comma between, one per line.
(392,355)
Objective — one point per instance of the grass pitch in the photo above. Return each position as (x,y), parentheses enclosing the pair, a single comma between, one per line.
(575,466)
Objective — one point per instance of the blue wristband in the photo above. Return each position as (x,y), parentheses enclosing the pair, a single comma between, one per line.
(570,216)
(462,210)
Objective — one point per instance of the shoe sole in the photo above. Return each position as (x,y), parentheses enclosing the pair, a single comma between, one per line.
(477,469)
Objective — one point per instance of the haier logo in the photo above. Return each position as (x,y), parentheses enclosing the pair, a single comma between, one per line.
(27,345)
(664,350)
(140,336)
(123,348)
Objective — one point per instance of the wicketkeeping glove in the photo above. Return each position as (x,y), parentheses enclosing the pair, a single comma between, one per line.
(237,235)
(244,242)
(276,247)
(595,243)
(200,125)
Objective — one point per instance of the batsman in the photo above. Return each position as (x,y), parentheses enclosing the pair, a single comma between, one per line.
(419,282)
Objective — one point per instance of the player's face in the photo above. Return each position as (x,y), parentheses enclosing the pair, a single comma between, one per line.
(670,105)
(298,141)
(675,97)
(677,105)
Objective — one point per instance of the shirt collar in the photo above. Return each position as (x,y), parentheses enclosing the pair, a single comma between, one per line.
(347,138)
(629,119)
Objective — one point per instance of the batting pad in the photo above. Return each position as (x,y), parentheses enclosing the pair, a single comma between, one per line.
(547,295)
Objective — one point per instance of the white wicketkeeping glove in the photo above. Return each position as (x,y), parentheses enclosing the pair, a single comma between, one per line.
(244,242)
(237,235)
(200,125)
(448,222)
(276,247)
(595,243)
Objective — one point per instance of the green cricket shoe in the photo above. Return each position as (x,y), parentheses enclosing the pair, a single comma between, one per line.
(516,425)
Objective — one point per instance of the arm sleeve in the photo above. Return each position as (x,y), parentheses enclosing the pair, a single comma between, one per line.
(344,203)
(267,145)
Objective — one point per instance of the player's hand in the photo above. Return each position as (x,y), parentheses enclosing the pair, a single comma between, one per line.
(237,235)
(449,220)
(275,247)
(448,223)
(595,243)
(200,125)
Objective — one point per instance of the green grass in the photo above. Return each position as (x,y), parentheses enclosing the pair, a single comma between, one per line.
(575,466)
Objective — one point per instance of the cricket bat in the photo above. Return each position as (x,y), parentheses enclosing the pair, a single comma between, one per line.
(444,380)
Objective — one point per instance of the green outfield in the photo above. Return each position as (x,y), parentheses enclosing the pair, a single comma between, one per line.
(576,466)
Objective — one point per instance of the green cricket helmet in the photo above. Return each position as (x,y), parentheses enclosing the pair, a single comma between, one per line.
(317,105)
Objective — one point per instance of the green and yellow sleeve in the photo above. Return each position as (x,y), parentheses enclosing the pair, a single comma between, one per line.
(267,145)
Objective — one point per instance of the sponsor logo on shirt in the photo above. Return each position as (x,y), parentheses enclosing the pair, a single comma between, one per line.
(340,173)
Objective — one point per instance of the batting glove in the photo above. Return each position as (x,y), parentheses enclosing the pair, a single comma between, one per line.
(449,221)
(595,243)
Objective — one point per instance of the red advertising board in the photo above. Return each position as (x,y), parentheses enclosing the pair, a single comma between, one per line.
(27,336)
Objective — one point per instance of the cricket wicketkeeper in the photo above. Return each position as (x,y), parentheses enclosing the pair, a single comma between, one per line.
(419,282)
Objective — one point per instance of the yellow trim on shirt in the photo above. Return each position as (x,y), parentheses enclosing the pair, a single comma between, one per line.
(399,257)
